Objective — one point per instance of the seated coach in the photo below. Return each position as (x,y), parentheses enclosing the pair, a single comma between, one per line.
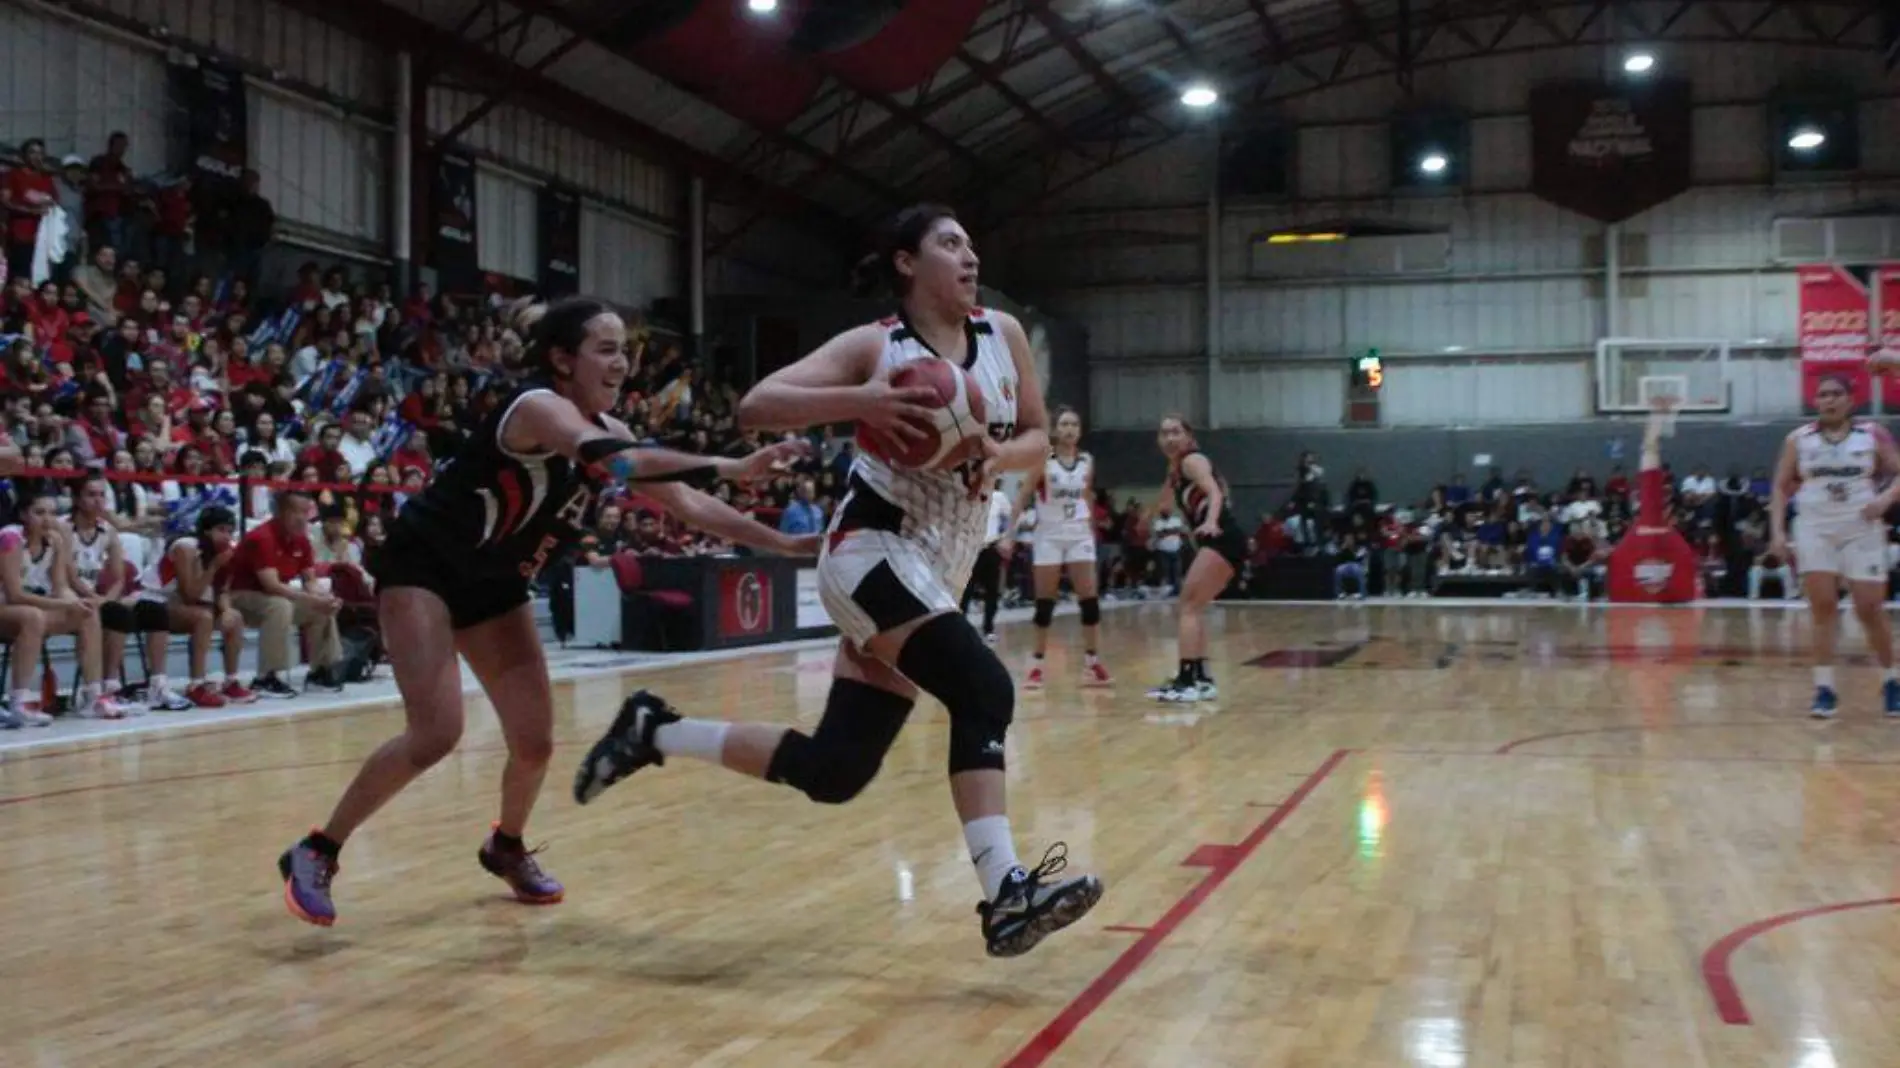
(274,587)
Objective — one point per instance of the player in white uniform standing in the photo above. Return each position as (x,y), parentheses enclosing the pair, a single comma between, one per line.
(1831,468)
(1065,543)
(899,551)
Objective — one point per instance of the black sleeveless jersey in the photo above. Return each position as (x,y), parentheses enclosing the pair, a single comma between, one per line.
(491,512)
(1192,504)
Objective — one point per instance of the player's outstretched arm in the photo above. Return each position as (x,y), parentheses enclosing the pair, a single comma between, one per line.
(703,511)
(839,382)
(546,421)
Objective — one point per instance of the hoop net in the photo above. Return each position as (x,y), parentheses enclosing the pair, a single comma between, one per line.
(1663,396)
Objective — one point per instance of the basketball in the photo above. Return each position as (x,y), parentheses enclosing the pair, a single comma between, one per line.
(957,419)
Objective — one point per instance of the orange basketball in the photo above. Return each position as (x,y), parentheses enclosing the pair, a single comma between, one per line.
(957,418)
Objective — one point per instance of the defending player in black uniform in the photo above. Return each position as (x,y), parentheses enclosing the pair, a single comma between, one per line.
(1201,498)
(453,578)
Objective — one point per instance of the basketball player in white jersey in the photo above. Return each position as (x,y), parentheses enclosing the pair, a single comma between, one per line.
(36,571)
(1831,468)
(99,575)
(1063,490)
(899,550)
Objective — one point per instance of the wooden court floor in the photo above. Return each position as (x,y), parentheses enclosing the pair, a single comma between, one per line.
(1406,835)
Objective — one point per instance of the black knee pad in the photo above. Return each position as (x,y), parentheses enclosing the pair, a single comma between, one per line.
(843,755)
(948,660)
(1045,611)
(1091,610)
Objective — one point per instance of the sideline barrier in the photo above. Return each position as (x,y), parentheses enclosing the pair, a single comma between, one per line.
(730,602)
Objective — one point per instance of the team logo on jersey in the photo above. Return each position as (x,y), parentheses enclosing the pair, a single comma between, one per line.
(751,602)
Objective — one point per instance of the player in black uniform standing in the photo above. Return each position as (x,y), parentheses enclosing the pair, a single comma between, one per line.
(453,578)
(1201,497)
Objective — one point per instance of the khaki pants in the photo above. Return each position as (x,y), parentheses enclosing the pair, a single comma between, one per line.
(274,617)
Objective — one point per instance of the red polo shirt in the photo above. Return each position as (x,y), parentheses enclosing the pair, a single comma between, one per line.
(269,547)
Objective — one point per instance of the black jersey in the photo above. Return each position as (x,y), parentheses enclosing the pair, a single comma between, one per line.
(493,512)
(1192,504)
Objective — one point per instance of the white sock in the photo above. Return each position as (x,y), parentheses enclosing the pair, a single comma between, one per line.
(24,699)
(1824,676)
(155,686)
(992,850)
(699,739)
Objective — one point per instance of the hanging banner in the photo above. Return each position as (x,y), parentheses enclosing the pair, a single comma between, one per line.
(560,239)
(1889,290)
(1833,331)
(452,236)
(213,124)
(1611,151)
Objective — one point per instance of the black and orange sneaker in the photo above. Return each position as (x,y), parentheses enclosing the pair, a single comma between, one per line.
(307,870)
(515,865)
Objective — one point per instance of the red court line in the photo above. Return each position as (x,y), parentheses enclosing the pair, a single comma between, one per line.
(1509,746)
(1715,969)
(1045,1042)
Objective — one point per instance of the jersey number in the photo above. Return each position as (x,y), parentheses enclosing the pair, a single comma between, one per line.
(1837,492)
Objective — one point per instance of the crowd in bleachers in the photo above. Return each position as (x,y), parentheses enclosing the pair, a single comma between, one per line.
(1539,539)
(136,339)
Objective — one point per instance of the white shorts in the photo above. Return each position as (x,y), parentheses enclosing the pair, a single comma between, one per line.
(1052,552)
(874,581)
(1857,554)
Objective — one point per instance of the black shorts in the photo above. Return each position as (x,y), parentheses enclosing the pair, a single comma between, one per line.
(139,617)
(1229,545)
(472,598)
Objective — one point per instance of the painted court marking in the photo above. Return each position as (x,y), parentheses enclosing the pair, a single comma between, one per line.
(1221,861)
(1715,962)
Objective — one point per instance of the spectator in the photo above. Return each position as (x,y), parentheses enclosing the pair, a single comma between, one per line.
(802,516)
(29,196)
(108,194)
(1167,534)
(274,587)
(1351,565)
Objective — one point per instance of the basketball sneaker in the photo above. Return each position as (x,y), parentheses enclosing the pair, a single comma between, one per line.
(307,873)
(1032,905)
(1033,680)
(1094,674)
(515,865)
(1824,703)
(1890,692)
(626,747)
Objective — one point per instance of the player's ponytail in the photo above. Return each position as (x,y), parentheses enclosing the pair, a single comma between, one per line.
(560,326)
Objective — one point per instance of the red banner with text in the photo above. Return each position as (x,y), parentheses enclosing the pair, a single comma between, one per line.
(1834,329)
(1889,297)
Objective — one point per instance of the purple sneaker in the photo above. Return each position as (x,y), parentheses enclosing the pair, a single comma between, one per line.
(307,872)
(517,867)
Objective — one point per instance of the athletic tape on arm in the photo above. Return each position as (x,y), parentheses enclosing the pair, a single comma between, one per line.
(618,458)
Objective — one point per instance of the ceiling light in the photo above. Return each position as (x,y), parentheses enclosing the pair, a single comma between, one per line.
(1807,139)
(1639,63)
(762,7)
(1199,96)
(1433,163)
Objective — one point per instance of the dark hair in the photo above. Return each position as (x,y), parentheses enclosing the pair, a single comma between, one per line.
(547,327)
(211,517)
(1060,410)
(876,274)
(1841,380)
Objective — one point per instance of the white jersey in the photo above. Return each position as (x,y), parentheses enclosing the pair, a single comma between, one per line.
(935,509)
(36,572)
(90,557)
(1062,503)
(1000,508)
(1837,477)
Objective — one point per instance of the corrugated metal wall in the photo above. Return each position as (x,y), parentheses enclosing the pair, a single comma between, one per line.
(74,88)
(301,48)
(320,168)
(626,260)
(1507,276)
(507,224)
